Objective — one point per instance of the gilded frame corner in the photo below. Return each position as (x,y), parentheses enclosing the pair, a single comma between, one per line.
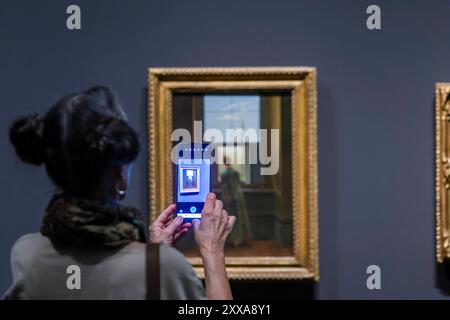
(302,83)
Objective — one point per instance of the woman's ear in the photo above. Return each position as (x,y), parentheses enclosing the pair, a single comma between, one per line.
(121,175)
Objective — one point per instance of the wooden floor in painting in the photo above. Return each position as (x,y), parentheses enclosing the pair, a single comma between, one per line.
(254,248)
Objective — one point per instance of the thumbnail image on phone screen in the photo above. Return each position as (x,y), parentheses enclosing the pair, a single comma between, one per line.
(193,180)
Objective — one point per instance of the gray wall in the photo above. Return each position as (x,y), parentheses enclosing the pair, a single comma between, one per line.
(375,110)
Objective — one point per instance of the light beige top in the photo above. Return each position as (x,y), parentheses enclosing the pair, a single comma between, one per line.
(40,272)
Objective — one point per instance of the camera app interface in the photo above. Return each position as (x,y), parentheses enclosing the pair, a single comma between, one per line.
(193,176)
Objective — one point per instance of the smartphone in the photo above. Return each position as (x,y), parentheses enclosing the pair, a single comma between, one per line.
(193,179)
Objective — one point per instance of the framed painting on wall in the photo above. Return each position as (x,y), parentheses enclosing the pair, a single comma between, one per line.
(263,125)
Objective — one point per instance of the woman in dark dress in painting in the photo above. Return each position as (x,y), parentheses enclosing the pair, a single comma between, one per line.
(234,203)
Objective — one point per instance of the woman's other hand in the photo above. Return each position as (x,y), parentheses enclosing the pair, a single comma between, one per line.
(166,229)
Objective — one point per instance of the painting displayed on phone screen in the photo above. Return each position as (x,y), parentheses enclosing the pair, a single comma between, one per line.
(193,180)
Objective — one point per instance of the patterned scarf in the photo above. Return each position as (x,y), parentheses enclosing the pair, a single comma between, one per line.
(73,221)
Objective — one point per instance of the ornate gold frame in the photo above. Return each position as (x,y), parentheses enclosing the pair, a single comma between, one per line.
(442,114)
(302,83)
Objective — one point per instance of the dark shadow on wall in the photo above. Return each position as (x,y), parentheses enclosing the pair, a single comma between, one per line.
(328,195)
(143,161)
(273,290)
(443,277)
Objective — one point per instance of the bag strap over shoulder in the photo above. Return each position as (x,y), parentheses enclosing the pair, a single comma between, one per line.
(152,271)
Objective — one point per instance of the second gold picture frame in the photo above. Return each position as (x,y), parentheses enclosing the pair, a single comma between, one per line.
(442,155)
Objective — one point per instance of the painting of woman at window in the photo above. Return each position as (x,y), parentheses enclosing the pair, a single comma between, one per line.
(233,201)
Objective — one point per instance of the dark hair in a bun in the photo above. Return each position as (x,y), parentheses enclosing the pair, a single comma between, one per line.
(26,136)
(78,139)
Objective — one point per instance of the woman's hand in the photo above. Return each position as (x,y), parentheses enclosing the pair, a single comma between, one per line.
(168,230)
(216,225)
(210,235)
